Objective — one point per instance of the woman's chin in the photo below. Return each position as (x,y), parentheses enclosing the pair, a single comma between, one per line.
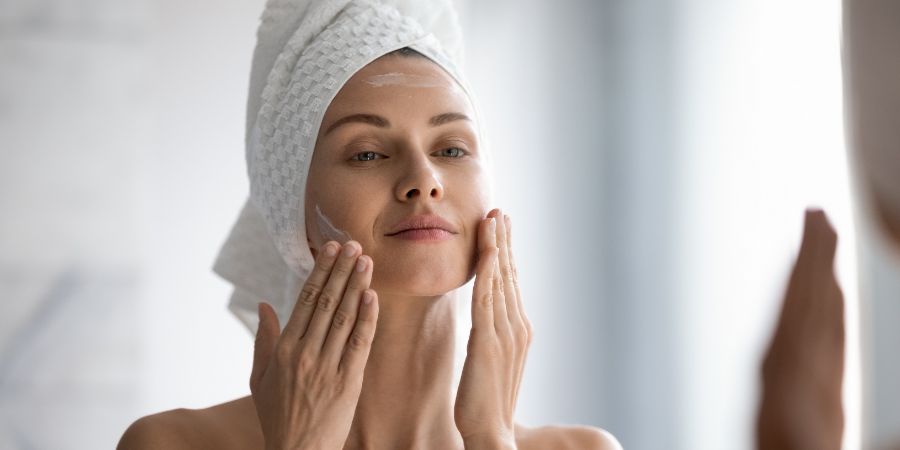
(419,282)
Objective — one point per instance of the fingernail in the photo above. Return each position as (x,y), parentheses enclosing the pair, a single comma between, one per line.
(361,264)
(349,249)
(367,297)
(492,226)
(330,249)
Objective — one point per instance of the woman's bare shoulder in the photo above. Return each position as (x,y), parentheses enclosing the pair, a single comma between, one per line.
(167,429)
(565,437)
(220,425)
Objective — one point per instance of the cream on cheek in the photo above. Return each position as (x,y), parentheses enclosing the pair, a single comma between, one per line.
(328,230)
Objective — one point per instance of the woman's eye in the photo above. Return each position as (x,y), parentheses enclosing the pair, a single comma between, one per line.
(451,152)
(367,156)
(459,153)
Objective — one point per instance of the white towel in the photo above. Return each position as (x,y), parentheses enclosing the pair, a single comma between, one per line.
(305,52)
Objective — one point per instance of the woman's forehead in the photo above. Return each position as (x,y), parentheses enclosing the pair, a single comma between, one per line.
(417,67)
(400,82)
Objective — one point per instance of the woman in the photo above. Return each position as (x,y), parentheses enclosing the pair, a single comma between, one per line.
(396,198)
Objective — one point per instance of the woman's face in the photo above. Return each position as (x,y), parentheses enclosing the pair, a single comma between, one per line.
(412,149)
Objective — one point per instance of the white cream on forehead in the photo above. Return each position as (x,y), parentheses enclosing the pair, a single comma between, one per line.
(405,79)
(328,230)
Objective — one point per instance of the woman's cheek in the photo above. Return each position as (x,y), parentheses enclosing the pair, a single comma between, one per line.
(328,230)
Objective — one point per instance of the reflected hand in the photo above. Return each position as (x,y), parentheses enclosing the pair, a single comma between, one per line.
(803,369)
(498,343)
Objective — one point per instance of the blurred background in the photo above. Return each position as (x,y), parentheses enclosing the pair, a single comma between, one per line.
(656,157)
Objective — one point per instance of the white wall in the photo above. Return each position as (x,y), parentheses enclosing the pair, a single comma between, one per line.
(122,169)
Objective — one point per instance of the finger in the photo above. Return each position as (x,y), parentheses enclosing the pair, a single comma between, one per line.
(482,292)
(813,269)
(266,337)
(509,241)
(356,352)
(818,251)
(496,285)
(486,231)
(521,309)
(820,246)
(501,319)
(819,242)
(331,296)
(345,317)
(509,289)
(309,296)
(515,272)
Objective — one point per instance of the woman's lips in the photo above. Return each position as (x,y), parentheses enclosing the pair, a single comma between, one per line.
(424,234)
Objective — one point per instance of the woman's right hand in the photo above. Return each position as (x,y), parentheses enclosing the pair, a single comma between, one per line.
(803,370)
(307,379)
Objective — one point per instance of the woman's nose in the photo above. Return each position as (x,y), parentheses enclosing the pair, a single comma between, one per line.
(421,179)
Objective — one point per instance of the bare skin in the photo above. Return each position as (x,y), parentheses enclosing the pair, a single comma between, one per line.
(233,425)
(365,176)
(804,366)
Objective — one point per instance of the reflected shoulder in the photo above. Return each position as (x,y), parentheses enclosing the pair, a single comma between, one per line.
(565,437)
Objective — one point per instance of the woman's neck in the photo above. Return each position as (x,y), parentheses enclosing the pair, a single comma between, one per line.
(406,394)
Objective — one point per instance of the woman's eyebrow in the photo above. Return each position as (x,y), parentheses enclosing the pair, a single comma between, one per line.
(381,122)
(441,119)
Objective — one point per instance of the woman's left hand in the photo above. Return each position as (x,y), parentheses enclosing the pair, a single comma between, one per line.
(498,343)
